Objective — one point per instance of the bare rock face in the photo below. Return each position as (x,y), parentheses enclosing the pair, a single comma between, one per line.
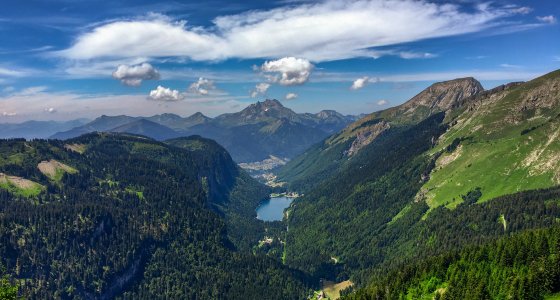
(442,96)
(545,96)
(366,135)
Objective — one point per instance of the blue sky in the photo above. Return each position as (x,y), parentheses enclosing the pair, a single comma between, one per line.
(65,59)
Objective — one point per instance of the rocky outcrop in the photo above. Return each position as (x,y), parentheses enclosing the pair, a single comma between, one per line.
(442,96)
(366,135)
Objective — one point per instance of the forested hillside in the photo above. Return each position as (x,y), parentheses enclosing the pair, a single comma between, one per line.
(519,266)
(390,190)
(106,215)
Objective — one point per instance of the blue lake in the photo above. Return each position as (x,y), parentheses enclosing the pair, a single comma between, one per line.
(273,208)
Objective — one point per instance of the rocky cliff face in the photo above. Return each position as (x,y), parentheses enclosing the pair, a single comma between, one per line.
(444,95)
(366,135)
(441,96)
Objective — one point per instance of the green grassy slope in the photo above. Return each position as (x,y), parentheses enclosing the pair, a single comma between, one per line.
(371,209)
(510,143)
(327,157)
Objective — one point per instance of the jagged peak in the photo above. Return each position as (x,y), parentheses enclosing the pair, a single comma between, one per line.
(266,104)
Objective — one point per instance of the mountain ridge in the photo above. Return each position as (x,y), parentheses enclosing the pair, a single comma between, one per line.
(252,134)
(484,168)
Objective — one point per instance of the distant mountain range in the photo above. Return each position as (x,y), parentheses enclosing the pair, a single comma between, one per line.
(253,134)
(37,129)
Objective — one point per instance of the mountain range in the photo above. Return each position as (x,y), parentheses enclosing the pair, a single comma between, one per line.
(253,134)
(452,195)
(37,129)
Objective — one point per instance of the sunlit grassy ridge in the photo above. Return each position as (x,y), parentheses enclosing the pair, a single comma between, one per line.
(509,143)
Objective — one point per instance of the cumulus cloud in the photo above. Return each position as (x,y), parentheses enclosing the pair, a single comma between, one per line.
(291,96)
(70,106)
(135,74)
(547,19)
(202,87)
(165,94)
(328,30)
(288,70)
(260,89)
(382,102)
(359,83)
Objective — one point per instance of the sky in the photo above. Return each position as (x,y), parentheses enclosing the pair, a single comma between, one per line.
(68,59)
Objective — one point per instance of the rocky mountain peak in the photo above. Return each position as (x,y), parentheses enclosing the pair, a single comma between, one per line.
(445,95)
(198,116)
(325,114)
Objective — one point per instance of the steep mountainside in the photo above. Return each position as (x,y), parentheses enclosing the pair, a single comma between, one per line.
(479,166)
(506,142)
(112,215)
(322,159)
(260,130)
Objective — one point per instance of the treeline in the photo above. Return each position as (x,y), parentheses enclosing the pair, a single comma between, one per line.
(366,219)
(520,266)
(344,214)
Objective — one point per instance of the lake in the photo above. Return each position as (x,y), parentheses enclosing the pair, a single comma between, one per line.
(273,208)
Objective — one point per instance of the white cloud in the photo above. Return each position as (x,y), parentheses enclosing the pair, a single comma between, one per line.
(165,94)
(11,73)
(202,87)
(260,89)
(71,106)
(289,70)
(291,96)
(328,30)
(416,55)
(34,90)
(18,72)
(50,110)
(135,74)
(547,19)
(520,10)
(510,66)
(359,83)
(382,102)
